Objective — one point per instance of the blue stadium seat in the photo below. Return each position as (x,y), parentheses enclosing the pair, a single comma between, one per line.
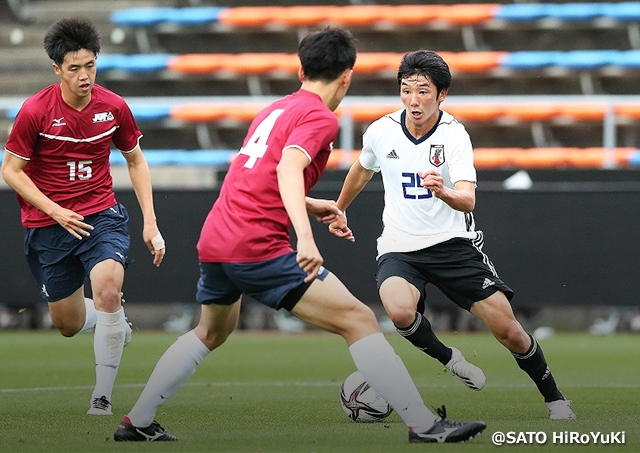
(134,63)
(625,11)
(150,16)
(521,12)
(574,11)
(530,59)
(197,15)
(201,157)
(586,59)
(629,59)
(151,112)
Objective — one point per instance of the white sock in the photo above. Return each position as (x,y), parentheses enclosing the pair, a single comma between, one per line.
(108,342)
(386,373)
(172,371)
(90,317)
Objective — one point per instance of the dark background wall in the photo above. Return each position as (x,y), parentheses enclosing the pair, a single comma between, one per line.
(567,241)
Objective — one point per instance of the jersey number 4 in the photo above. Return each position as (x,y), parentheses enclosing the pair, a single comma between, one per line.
(257,145)
(412,189)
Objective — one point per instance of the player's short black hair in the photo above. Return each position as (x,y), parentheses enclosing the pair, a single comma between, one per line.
(71,35)
(425,63)
(327,53)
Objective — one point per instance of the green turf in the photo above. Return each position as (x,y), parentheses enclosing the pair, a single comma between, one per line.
(279,393)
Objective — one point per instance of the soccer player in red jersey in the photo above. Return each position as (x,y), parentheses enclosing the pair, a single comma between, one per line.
(57,160)
(244,248)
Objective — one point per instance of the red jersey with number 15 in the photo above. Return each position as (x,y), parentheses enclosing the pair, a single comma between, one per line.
(68,150)
(248,222)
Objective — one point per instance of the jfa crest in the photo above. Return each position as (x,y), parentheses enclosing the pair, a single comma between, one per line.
(436,155)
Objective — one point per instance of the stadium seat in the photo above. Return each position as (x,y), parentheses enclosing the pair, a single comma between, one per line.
(530,111)
(623,11)
(473,61)
(467,14)
(583,111)
(475,112)
(412,14)
(200,157)
(250,16)
(585,59)
(520,12)
(305,15)
(368,112)
(574,11)
(151,112)
(358,15)
(527,60)
(196,15)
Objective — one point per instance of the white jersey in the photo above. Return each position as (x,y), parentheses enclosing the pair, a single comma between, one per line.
(413,218)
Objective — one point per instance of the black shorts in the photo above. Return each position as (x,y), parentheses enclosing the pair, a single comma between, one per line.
(60,262)
(458,267)
(277,283)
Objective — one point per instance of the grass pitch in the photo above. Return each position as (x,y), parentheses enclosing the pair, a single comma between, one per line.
(271,392)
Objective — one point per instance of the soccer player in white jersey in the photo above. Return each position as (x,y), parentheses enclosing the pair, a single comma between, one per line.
(426,160)
(57,160)
(244,248)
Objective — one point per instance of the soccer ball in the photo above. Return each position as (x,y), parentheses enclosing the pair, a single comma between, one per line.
(361,402)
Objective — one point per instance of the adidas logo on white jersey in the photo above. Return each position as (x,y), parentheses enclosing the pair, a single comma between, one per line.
(393,155)
(487,283)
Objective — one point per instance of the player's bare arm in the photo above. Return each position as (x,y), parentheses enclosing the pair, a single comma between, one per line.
(461,198)
(291,185)
(14,175)
(325,211)
(357,178)
(141,181)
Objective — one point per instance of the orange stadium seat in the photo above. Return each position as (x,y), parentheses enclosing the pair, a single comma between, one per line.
(244,112)
(341,159)
(371,62)
(467,14)
(199,113)
(412,14)
(531,112)
(494,157)
(371,112)
(198,63)
(585,112)
(542,157)
(475,112)
(628,110)
(253,63)
(307,15)
(359,15)
(473,61)
(250,16)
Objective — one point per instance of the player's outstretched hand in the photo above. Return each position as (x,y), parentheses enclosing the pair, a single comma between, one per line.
(339,228)
(155,243)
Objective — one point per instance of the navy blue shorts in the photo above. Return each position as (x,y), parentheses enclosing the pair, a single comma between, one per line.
(277,283)
(458,267)
(60,263)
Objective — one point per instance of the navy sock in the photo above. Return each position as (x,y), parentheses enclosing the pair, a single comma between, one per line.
(535,365)
(421,335)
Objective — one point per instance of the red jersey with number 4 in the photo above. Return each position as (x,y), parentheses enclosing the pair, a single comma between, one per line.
(248,222)
(68,150)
